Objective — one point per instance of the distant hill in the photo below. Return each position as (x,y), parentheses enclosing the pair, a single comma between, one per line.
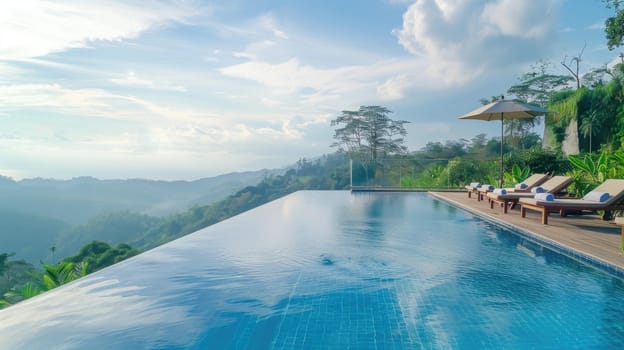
(42,219)
(38,214)
(80,199)
(28,235)
(328,172)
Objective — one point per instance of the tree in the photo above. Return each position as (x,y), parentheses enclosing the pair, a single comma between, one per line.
(369,133)
(590,126)
(63,272)
(97,255)
(52,277)
(595,77)
(13,272)
(536,87)
(448,150)
(575,62)
(614,26)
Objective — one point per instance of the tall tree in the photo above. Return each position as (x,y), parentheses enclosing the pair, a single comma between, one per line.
(369,133)
(614,25)
(590,126)
(535,87)
(574,65)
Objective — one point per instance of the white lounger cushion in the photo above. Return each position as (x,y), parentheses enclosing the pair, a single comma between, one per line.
(537,189)
(596,196)
(500,191)
(544,197)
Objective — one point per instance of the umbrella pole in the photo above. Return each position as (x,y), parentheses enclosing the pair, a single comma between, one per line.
(501,167)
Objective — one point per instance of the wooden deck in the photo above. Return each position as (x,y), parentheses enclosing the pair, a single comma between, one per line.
(586,234)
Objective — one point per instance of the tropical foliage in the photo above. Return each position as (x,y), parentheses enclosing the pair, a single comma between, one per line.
(593,169)
(614,25)
(21,280)
(97,255)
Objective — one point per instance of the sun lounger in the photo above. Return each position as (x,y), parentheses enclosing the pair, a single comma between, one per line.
(554,185)
(481,191)
(613,187)
(472,188)
(530,182)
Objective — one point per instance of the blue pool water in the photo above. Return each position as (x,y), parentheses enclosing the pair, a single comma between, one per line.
(333,270)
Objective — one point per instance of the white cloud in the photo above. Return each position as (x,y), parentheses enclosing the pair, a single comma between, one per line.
(292,76)
(462,39)
(252,50)
(15,97)
(270,102)
(131,79)
(94,103)
(596,26)
(285,77)
(187,148)
(394,87)
(269,23)
(332,88)
(529,19)
(148,126)
(35,28)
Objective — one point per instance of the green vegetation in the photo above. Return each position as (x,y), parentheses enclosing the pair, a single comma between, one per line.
(369,136)
(38,214)
(97,255)
(591,170)
(614,25)
(28,235)
(113,228)
(20,280)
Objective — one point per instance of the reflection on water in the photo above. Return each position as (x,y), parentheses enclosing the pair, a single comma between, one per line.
(332,270)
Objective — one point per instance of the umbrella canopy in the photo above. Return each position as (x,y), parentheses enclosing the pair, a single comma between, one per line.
(504,109)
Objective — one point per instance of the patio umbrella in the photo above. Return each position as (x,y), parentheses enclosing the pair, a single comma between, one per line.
(504,109)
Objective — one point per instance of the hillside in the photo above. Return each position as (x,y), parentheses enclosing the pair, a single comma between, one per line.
(80,199)
(28,235)
(329,172)
(38,214)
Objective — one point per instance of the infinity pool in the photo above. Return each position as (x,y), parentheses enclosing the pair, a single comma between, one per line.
(333,270)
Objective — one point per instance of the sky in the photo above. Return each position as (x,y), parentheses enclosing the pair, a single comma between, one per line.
(181,90)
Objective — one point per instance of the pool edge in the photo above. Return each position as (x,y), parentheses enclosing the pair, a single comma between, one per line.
(586,258)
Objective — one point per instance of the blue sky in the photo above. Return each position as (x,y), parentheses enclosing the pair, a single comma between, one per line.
(189,89)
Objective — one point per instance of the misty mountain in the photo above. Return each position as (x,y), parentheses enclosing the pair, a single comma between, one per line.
(43,219)
(38,214)
(28,235)
(78,200)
